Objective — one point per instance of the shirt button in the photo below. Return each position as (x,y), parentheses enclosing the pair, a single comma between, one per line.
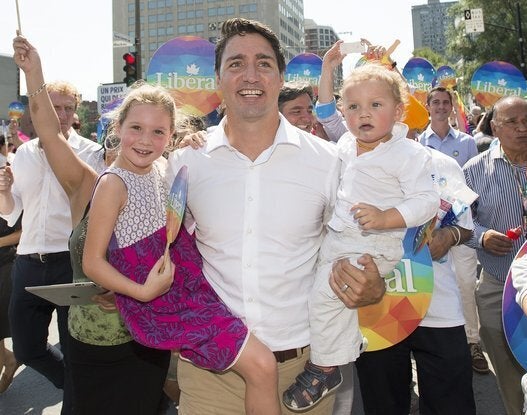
(250,299)
(249,231)
(250,198)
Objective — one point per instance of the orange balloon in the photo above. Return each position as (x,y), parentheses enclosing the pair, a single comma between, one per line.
(416,114)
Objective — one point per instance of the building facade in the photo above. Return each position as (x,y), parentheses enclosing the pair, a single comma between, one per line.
(9,85)
(162,20)
(430,23)
(318,39)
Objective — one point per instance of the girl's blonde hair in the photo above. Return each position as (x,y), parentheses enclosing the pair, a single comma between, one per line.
(143,93)
(372,71)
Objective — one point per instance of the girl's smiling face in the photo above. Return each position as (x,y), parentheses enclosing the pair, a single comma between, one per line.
(144,133)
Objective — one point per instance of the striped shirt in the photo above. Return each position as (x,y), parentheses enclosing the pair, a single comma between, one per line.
(498,207)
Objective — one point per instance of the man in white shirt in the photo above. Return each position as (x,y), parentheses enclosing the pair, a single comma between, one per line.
(438,345)
(260,192)
(43,256)
(441,136)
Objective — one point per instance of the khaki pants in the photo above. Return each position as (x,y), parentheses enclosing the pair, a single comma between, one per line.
(207,393)
(466,265)
(489,294)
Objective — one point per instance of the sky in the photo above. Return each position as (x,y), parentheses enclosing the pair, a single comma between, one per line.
(74,37)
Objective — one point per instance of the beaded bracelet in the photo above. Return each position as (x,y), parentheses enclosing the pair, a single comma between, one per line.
(38,91)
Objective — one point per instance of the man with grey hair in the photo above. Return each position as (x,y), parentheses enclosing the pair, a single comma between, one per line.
(42,255)
(499,177)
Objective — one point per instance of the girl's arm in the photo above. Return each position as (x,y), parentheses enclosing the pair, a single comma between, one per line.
(108,200)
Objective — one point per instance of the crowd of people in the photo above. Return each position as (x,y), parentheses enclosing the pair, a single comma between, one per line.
(296,209)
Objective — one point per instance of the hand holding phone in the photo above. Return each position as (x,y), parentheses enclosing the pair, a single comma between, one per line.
(352,47)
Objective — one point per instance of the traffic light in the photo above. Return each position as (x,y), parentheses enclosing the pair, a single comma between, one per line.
(130,68)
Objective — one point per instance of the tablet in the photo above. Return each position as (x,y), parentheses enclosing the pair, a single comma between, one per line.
(75,293)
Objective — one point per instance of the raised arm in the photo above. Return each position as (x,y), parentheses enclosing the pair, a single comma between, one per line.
(75,176)
(332,59)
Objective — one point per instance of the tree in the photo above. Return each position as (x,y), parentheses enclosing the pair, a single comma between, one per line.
(499,41)
(434,58)
(87,126)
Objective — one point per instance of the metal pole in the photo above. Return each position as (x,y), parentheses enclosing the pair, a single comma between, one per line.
(138,66)
(520,39)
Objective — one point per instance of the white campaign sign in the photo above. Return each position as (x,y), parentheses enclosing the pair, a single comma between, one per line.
(109,92)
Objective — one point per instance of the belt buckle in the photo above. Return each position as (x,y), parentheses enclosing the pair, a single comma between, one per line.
(43,258)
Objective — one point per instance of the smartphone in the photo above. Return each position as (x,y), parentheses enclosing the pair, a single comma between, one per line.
(352,47)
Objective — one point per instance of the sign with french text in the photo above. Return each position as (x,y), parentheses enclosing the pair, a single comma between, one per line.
(419,73)
(306,67)
(108,93)
(445,77)
(408,294)
(185,66)
(497,79)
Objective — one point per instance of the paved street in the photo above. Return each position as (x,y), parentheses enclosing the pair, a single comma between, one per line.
(32,394)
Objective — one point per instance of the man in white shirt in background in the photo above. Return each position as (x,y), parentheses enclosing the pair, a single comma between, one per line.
(43,256)
(441,136)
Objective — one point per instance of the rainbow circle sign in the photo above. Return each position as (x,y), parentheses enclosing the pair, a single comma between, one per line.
(514,320)
(408,294)
(306,67)
(419,74)
(445,77)
(16,110)
(185,66)
(495,80)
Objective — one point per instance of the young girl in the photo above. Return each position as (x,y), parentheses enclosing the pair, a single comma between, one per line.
(124,249)
(386,186)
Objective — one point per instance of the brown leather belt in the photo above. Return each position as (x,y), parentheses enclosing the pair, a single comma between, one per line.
(285,355)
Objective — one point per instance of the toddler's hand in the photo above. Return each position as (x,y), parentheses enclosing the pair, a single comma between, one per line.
(368,216)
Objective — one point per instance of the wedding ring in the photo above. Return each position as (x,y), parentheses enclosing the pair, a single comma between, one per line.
(344,288)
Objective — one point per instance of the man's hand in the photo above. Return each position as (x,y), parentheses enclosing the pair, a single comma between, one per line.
(496,243)
(194,140)
(106,301)
(356,287)
(6,180)
(25,55)
(442,240)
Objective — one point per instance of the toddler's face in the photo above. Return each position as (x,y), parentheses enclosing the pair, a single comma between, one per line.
(370,110)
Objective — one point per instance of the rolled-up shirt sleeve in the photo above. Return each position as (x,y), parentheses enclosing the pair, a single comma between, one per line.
(12,217)
(331,120)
